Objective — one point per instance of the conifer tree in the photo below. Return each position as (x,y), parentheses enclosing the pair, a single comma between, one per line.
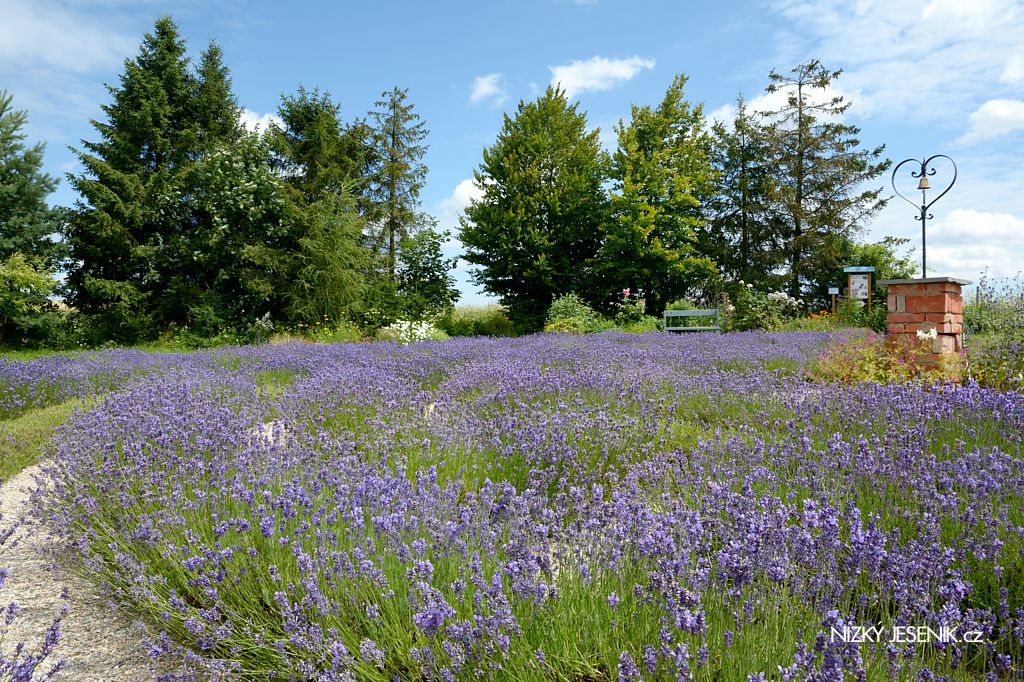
(820,171)
(136,235)
(744,233)
(398,174)
(217,111)
(149,134)
(27,223)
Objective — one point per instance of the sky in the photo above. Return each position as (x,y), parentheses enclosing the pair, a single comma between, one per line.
(924,77)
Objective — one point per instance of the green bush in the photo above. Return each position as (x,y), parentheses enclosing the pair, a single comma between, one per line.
(767,312)
(683,304)
(647,323)
(568,313)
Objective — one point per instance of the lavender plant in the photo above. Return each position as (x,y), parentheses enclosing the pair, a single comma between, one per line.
(551,507)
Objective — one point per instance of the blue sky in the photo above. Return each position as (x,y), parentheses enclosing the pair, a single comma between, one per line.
(925,77)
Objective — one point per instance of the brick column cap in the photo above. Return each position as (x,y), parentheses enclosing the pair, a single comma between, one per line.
(926,280)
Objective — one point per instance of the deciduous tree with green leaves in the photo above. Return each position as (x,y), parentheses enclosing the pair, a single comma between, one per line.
(536,231)
(820,171)
(662,176)
(424,284)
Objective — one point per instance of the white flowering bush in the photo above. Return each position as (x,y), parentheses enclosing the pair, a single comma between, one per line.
(768,312)
(407,331)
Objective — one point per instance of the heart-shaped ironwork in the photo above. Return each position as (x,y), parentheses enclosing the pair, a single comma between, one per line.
(924,172)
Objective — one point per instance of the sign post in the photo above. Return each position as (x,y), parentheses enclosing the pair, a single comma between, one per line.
(859,282)
(833,292)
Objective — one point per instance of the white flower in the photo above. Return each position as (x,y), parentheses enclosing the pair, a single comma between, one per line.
(927,335)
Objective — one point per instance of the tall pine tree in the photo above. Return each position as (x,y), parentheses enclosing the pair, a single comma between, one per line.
(398,174)
(744,233)
(135,234)
(27,223)
(28,253)
(820,171)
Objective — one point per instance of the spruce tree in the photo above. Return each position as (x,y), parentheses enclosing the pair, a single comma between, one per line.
(217,112)
(398,174)
(137,234)
(27,223)
(662,177)
(744,233)
(315,151)
(117,232)
(820,172)
(536,231)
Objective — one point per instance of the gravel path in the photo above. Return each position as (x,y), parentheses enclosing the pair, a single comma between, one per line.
(99,643)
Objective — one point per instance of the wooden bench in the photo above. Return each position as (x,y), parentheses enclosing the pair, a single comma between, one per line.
(669,314)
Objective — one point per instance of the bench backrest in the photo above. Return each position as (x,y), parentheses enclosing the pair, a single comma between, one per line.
(713,312)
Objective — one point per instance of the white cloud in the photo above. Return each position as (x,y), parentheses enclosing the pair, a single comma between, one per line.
(1013,70)
(597,73)
(490,87)
(47,34)
(450,208)
(994,118)
(967,242)
(259,123)
(943,52)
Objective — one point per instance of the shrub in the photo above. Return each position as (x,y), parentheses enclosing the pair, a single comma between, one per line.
(629,309)
(406,331)
(882,360)
(568,313)
(682,304)
(647,323)
(767,312)
(822,321)
(994,334)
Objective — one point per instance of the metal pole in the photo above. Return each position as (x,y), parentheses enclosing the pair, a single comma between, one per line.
(922,175)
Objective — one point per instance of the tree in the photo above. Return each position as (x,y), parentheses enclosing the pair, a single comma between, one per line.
(217,110)
(744,234)
(398,173)
(425,286)
(149,135)
(314,150)
(27,223)
(233,260)
(332,262)
(820,170)
(25,283)
(663,176)
(536,231)
(133,235)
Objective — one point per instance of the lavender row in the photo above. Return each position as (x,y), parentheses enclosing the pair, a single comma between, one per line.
(602,507)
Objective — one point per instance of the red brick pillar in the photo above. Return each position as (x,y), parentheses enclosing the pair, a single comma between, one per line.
(924,304)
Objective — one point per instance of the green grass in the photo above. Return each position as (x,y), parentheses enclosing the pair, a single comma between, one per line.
(23,438)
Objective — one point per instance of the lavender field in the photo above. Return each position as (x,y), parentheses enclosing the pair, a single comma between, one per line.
(553,507)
